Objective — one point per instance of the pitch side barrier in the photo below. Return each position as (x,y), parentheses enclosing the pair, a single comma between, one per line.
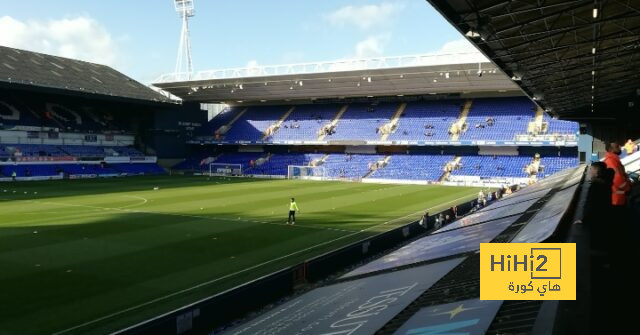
(211,314)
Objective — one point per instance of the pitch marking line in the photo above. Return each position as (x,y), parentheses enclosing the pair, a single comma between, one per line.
(150,302)
(144,201)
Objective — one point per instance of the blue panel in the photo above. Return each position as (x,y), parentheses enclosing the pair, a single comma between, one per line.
(469,317)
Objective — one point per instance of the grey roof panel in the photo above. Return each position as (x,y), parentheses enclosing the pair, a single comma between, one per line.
(46,71)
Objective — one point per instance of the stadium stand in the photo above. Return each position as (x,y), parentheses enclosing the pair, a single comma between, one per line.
(413,167)
(252,125)
(76,169)
(305,122)
(17,112)
(494,119)
(408,167)
(362,121)
(510,117)
(422,118)
(486,120)
(62,118)
(51,150)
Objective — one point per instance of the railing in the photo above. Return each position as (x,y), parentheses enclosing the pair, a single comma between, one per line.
(9,140)
(376,63)
(547,137)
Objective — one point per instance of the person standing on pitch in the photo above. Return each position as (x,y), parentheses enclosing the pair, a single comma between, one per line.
(293,207)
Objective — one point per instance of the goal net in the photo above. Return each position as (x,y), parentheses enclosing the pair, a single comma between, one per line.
(306,172)
(224,169)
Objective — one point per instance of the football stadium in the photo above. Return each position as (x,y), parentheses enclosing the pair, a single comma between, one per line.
(345,196)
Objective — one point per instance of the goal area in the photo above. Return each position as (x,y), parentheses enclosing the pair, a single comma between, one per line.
(224,169)
(306,172)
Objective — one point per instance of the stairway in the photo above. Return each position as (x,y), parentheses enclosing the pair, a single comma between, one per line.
(393,123)
(224,129)
(385,161)
(538,126)
(445,175)
(462,119)
(533,167)
(333,122)
(539,115)
(319,161)
(274,127)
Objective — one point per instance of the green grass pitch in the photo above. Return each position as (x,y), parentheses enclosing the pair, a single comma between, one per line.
(93,256)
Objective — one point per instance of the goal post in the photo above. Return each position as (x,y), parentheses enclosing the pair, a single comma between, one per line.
(306,172)
(225,169)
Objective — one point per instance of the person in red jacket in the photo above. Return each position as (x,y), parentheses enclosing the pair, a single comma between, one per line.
(621,184)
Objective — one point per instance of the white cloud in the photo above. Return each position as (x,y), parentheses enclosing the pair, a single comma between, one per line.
(372,46)
(457,46)
(364,17)
(252,64)
(79,38)
(458,51)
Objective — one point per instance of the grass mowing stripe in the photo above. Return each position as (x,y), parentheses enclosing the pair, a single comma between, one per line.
(132,258)
(112,315)
(205,217)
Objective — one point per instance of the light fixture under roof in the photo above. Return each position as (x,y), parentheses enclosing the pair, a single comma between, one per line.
(369,79)
(472,34)
(446,75)
(595,12)
(300,83)
(593,50)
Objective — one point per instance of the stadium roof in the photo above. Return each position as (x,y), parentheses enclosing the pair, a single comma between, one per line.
(575,57)
(391,76)
(36,70)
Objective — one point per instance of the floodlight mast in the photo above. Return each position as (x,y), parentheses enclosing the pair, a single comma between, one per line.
(185,10)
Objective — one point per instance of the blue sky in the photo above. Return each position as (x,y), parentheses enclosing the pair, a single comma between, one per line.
(140,37)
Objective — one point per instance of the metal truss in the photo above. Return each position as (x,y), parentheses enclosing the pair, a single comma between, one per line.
(572,55)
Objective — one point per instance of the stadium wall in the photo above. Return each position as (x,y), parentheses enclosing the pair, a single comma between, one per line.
(169,130)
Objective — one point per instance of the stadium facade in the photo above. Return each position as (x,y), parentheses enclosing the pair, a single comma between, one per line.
(64,118)
(453,119)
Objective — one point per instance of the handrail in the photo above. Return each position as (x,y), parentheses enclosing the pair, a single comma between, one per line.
(374,63)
